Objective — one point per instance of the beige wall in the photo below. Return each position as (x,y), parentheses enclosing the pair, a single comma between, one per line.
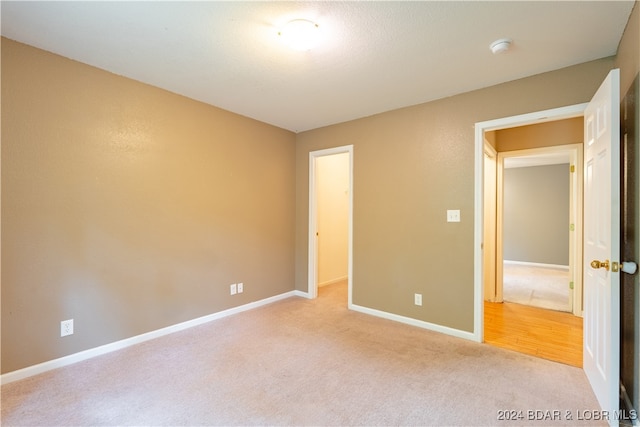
(628,57)
(410,166)
(129,208)
(548,134)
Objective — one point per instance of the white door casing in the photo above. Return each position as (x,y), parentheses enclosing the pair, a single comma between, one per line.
(489,234)
(602,243)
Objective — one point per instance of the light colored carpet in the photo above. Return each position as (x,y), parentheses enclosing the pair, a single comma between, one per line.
(301,362)
(543,287)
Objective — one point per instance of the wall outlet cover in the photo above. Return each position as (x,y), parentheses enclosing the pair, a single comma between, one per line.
(453,215)
(66,327)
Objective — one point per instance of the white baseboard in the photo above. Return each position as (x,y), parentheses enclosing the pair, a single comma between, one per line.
(536,264)
(332,281)
(118,345)
(414,322)
(302,294)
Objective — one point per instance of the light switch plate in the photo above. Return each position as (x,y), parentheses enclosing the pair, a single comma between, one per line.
(453,215)
(417,299)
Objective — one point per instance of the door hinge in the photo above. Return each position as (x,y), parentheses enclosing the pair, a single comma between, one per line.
(572,227)
(570,285)
(572,168)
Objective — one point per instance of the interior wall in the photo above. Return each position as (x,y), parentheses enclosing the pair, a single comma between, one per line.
(628,56)
(490,138)
(332,180)
(410,166)
(536,214)
(128,208)
(179,229)
(540,135)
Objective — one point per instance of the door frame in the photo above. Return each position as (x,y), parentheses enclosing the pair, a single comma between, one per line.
(554,114)
(312,291)
(490,188)
(574,152)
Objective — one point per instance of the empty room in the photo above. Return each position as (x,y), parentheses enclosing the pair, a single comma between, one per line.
(169,256)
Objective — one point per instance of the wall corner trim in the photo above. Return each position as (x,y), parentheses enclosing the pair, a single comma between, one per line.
(298,293)
(128,342)
(415,322)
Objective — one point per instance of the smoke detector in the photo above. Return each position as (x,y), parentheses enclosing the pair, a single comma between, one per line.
(500,46)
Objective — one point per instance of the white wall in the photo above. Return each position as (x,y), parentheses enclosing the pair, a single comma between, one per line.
(333,209)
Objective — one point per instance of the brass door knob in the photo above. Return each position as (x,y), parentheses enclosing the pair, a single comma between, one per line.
(595,264)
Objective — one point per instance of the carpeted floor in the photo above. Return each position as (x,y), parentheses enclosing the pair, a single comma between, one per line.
(543,287)
(304,362)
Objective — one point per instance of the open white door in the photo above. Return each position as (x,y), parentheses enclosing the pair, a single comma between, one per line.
(602,244)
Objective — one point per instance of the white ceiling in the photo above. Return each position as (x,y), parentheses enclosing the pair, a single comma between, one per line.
(375,56)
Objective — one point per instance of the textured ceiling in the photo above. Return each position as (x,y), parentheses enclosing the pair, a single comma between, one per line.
(374,57)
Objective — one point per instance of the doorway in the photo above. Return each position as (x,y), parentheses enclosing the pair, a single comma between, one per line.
(538,218)
(482,137)
(601,227)
(538,257)
(330,219)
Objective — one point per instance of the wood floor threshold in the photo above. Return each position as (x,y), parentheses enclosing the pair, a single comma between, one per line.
(549,334)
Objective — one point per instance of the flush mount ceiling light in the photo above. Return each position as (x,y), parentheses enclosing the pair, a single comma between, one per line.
(300,34)
(500,46)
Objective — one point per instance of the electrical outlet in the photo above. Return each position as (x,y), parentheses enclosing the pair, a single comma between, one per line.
(233,289)
(66,327)
(240,288)
(453,215)
(417,299)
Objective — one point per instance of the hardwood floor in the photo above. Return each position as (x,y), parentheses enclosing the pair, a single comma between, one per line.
(548,334)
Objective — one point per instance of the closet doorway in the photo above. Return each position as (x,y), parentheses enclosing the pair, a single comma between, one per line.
(330,219)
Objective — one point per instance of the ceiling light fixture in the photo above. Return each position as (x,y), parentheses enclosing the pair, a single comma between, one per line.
(300,34)
(500,46)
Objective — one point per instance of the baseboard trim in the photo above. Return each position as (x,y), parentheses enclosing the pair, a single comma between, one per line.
(127,342)
(332,281)
(415,322)
(298,293)
(537,264)
(630,411)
